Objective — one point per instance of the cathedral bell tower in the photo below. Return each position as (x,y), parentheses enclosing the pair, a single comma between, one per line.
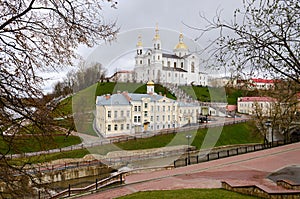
(139,52)
(157,52)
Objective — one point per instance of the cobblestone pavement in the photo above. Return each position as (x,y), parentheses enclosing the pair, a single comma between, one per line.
(243,169)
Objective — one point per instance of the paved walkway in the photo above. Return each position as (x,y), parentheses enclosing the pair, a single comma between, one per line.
(243,169)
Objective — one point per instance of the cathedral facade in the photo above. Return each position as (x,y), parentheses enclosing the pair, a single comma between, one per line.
(180,68)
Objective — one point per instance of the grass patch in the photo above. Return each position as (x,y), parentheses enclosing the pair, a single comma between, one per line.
(36,143)
(188,194)
(242,133)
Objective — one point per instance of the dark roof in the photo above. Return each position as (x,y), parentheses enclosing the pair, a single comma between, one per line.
(170,56)
(174,69)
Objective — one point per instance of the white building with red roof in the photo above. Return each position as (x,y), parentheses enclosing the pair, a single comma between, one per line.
(250,105)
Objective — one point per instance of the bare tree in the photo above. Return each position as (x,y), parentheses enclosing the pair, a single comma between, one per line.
(263,36)
(38,36)
(275,118)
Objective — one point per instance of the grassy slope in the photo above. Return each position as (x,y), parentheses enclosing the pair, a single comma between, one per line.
(233,134)
(36,143)
(188,194)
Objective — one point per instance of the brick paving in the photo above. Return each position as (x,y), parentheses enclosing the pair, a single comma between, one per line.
(246,169)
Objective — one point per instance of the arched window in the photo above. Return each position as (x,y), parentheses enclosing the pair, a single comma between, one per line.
(141,62)
(158,46)
(181,64)
(174,64)
(193,67)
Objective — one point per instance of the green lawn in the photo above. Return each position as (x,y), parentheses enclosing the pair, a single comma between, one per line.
(36,143)
(242,133)
(188,194)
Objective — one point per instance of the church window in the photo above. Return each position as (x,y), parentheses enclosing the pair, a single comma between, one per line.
(154,46)
(148,62)
(174,64)
(158,46)
(169,63)
(193,67)
(140,51)
(181,64)
(141,62)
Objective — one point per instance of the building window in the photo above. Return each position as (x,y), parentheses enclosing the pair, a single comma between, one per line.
(135,108)
(109,127)
(127,126)
(151,119)
(158,46)
(164,108)
(152,108)
(116,127)
(169,108)
(174,64)
(157,108)
(116,114)
(148,62)
(137,119)
(168,117)
(145,113)
(122,113)
(139,108)
(128,113)
(122,126)
(162,63)
(146,105)
(169,63)
(193,67)
(158,57)
(157,118)
(141,62)
(163,118)
(181,64)
(109,114)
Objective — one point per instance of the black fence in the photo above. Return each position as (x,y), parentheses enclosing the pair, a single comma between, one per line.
(221,153)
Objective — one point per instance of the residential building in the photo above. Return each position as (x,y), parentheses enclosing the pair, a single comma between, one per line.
(250,105)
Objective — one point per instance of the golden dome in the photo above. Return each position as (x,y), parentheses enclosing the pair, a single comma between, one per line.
(156,36)
(181,44)
(139,43)
(150,83)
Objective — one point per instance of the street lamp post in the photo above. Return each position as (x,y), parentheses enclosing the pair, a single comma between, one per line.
(188,137)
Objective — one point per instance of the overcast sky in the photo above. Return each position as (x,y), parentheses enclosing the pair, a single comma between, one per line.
(136,17)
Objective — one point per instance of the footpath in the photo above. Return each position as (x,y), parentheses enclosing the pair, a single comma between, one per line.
(243,169)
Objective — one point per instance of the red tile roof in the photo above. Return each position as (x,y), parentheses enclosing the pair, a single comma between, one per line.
(256,99)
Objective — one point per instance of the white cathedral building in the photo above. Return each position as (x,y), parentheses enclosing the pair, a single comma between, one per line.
(152,64)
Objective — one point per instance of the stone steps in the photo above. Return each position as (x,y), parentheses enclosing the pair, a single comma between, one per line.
(265,189)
